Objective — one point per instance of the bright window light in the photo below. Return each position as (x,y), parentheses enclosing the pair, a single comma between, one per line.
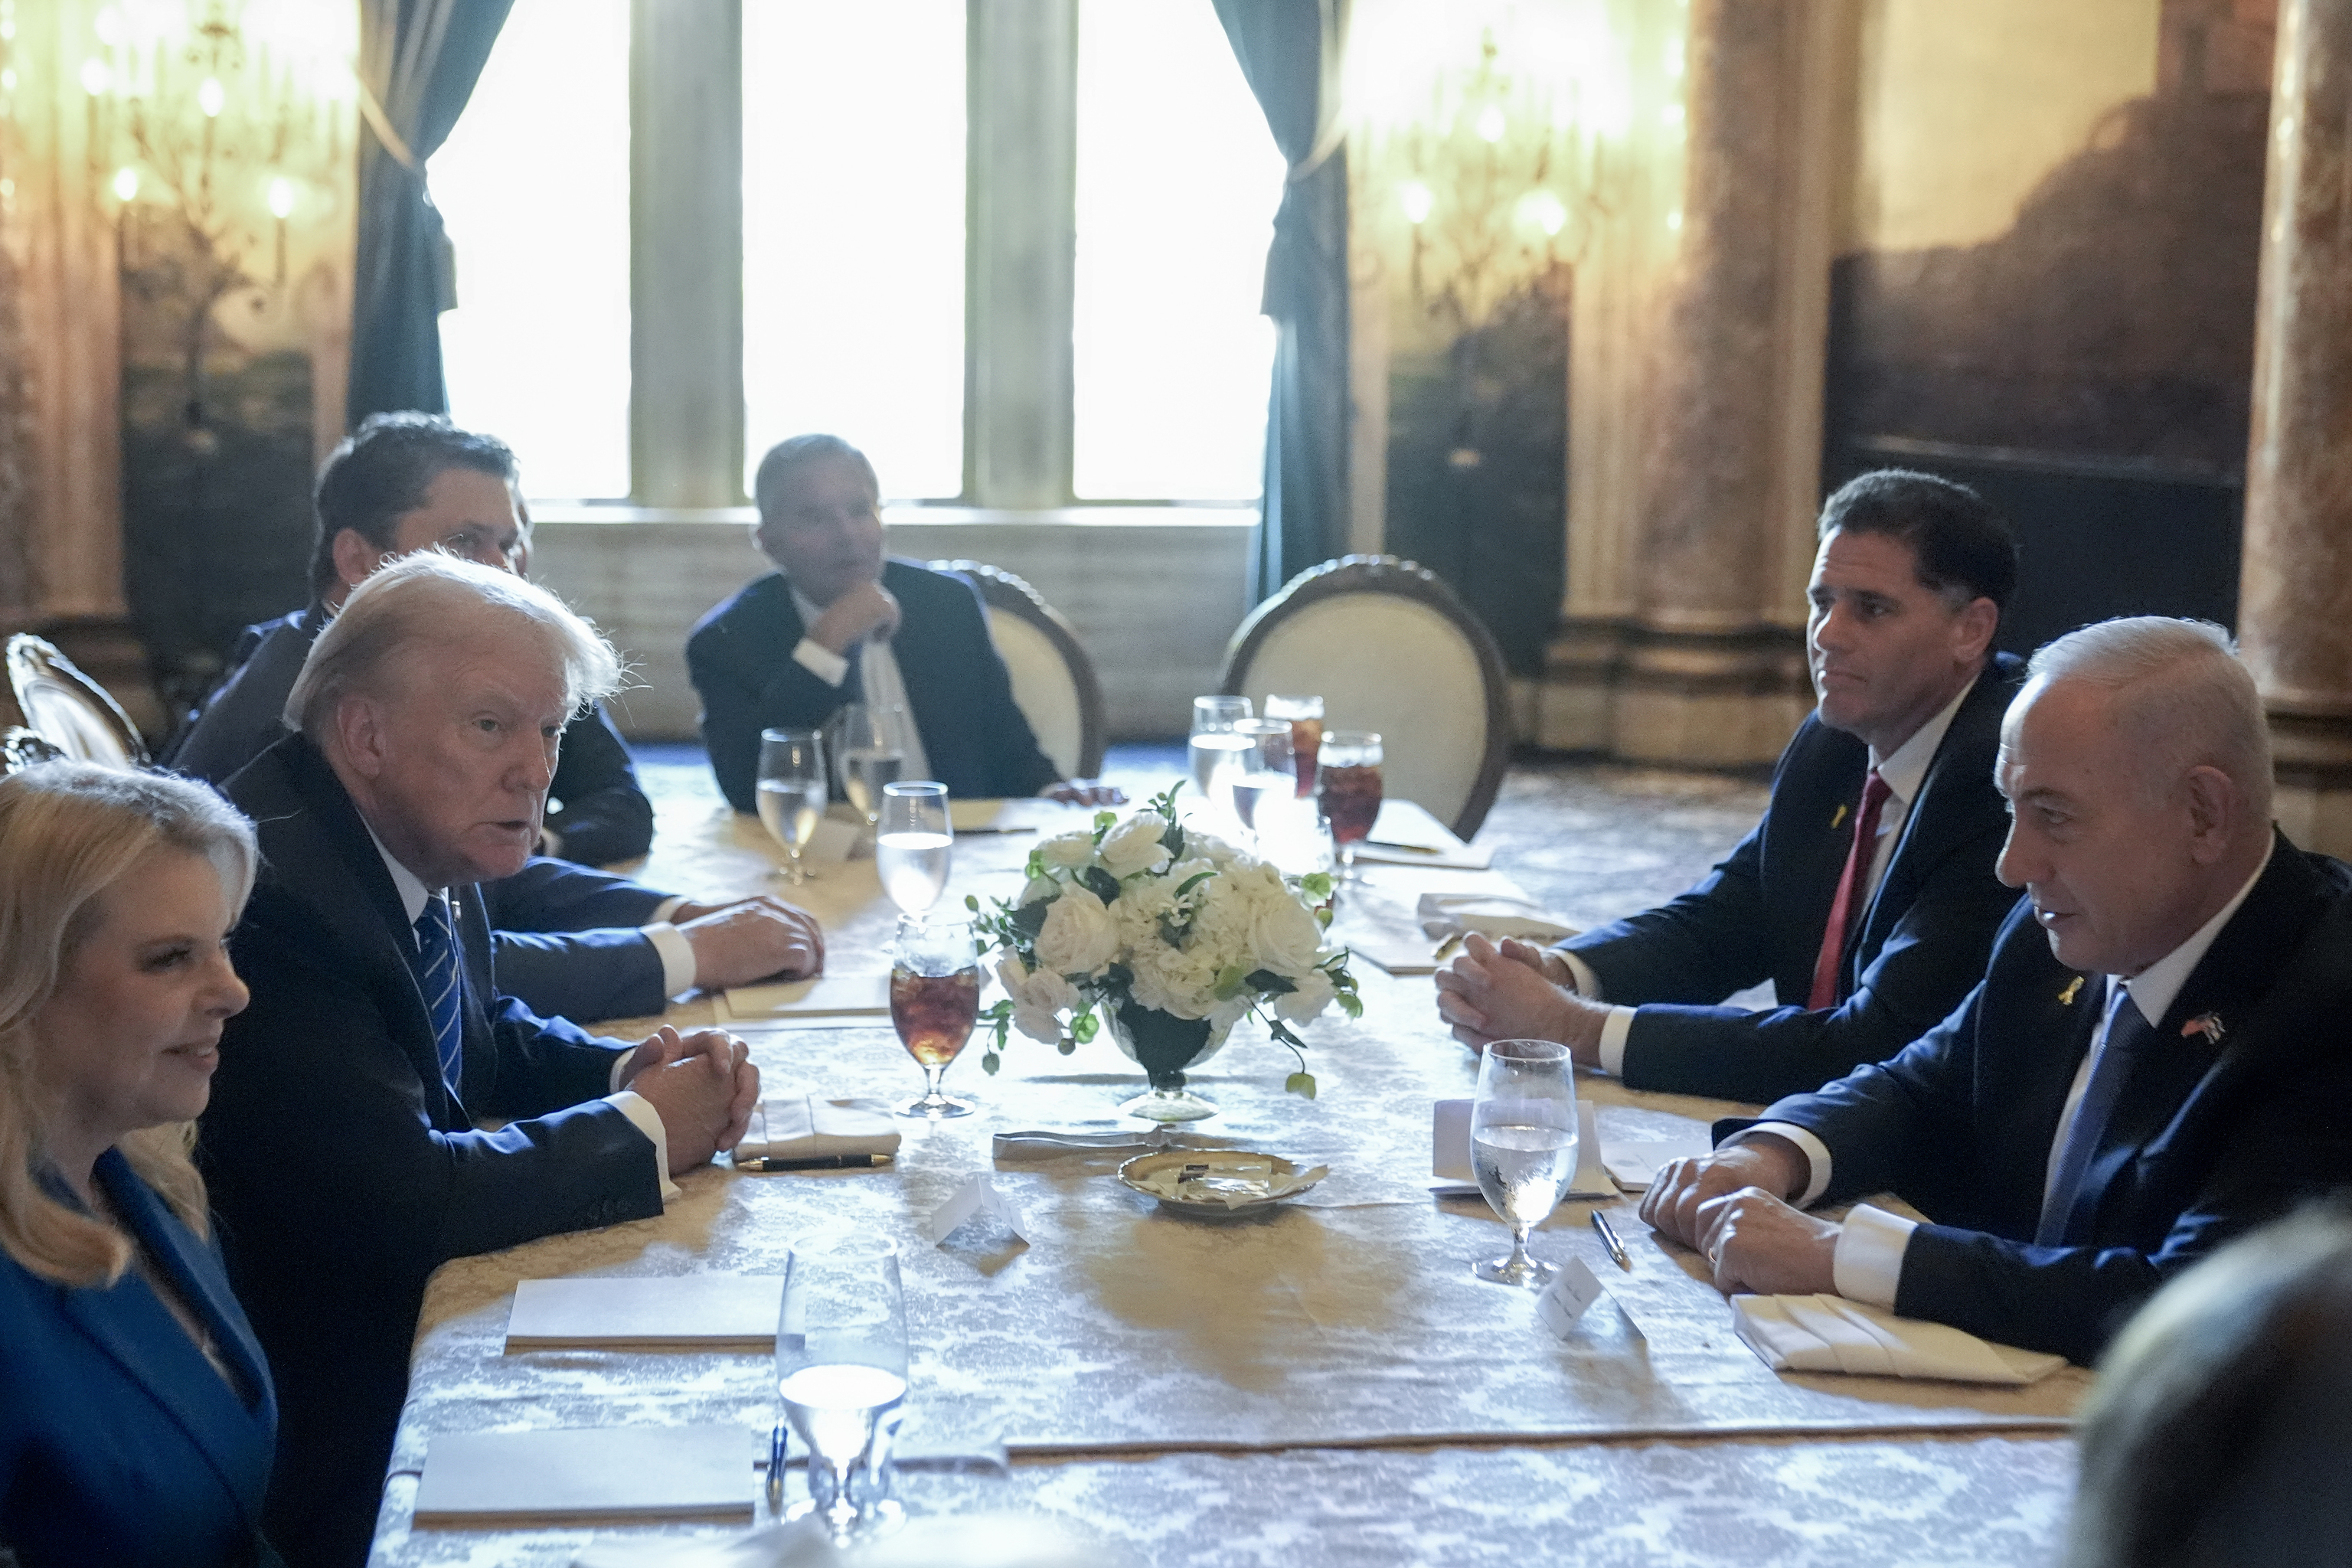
(534,187)
(854,234)
(1178,181)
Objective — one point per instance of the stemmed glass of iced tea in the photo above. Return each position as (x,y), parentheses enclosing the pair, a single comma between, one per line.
(934,997)
(1347,790)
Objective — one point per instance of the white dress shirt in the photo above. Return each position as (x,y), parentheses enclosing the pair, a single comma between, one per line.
(1904,772)
(640,1111)
(1868,1265)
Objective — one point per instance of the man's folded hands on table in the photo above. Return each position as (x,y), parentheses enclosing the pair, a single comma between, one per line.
(1732,1207)
(703,1086)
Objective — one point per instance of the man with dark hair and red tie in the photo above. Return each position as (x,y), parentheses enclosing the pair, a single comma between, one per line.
(2152,1064)
(1867,895)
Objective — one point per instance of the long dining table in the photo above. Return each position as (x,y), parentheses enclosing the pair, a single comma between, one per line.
(1321,1384)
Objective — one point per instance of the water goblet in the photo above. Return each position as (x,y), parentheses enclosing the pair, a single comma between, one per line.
(841,1376)
(790,791)
(865,748)
(1523,1147)
(1261,774)
(1349,791)
(934,999)
(912,844)
(1215,748)
(1306,716)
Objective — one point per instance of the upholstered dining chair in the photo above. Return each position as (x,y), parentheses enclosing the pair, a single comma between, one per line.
(1053,680)
(67,708)
(1390,647)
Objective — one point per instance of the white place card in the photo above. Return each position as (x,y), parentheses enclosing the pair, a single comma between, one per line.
(1449,1154)
(842,998)
(977,1196)
(1564,1300)
(632,1475)
(1636,1164)
(685,1311)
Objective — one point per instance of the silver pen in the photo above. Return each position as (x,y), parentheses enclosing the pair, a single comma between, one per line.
(1609,1238)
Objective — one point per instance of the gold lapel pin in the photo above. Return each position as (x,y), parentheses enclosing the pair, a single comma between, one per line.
(1837,816)
(2073,987)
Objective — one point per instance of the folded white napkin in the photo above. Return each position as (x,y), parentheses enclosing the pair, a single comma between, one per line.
(807,1126)
(1491,915)
(1830,1333)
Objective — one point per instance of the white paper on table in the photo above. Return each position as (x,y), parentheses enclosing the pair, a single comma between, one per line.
(1491,914)
(809,1126)
(1564,1300)
(704,1311)
(1829,1333)
(1635,1163)
(976,1196)
(633,1473)
(1015,815)
(847,997)
(1399,955)
(1449,1159)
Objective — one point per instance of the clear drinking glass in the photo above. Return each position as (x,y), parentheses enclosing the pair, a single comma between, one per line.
(934,999)
(1306,716)
(869,757)
(792,793)
(1216,748)
(1347,790)
(1262,777)
(1523,1147)
(841,1375)
(912,844)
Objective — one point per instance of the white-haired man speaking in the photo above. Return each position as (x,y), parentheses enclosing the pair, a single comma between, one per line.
(341,1145)
(2153,1063)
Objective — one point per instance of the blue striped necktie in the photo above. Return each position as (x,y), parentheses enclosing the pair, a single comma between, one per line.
(436,947)
(2127,1033)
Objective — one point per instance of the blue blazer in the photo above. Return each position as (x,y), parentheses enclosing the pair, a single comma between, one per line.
(119,1443)
(957,693)
(344,1171)
(1918,948)
(2208,1140)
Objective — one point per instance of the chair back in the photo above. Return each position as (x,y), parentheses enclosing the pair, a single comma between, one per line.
(1388,647)
(21,749)
(1053,680)
(67,708)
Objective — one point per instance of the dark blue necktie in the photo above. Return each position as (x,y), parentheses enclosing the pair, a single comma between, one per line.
(2127,1033)
(437,949)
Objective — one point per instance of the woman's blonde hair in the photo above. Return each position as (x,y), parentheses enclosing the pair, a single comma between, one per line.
(69,831)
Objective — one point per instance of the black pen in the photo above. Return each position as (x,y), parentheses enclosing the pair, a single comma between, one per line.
(818,1163)
(1608,1236)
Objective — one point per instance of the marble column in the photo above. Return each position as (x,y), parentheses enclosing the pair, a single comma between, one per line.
(2295,605)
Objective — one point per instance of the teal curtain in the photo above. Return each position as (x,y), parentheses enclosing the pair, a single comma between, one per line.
(418,62)
(1289,51)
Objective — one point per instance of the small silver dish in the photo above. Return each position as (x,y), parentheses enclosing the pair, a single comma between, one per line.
(1217,1184)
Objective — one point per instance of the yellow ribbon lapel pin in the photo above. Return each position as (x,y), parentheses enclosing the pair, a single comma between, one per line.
(2074,988)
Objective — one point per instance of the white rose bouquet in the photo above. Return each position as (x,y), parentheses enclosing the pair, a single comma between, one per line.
(1143,913)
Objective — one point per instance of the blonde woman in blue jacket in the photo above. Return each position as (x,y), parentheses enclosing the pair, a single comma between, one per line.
(136,1414)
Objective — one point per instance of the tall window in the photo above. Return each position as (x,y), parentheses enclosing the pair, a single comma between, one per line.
(923,215)
(533,185)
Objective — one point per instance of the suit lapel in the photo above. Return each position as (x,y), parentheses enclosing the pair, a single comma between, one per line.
(1822,787)
(2046,1036)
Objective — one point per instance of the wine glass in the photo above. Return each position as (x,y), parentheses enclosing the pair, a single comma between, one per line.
(912,843)
(792,793)
(1523,1147)
(1216,746)
(1262,774)
(1306,716)
(934,997)
(868,749)
(1347,789)
(841,1375)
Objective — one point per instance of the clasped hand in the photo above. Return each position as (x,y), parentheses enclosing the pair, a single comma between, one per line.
(703,1086)
(749,940)
(1508,993)
(1729,1206)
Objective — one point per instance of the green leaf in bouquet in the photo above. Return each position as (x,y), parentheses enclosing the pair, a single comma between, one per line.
(1230,981)
(1192,881)
(1104,822)
(1101,884)
(1084,1027)
(1315,885)
(1030,919)
(1350,1004)
(1300,1083)
(1066,1045)
(1267,981)
(1323,916)
(989,1061)
(1171,838)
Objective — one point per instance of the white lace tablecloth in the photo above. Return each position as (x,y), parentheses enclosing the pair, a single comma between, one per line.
(1281,1379)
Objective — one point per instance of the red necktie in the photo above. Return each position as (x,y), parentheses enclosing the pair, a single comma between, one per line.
(1849,892)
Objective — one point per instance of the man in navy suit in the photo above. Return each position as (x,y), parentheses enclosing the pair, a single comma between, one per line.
(339,1145)
(1867,895)
(570,941)
(837,623)
(2153,1063)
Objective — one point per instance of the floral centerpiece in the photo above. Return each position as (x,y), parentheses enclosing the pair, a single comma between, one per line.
(1171,936)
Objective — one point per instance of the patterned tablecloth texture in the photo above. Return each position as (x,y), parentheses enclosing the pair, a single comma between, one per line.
(1291,1379)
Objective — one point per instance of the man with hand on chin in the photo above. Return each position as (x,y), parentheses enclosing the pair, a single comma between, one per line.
(341,1145)
(838,623)
(1867,894)
(2152,1064)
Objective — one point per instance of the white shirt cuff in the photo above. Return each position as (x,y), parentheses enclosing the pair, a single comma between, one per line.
(648,1121)
(668,909)
(1816,1153)
(677,957)
(1868,1264)
(1613,1030)
(1588,985)
(821,661)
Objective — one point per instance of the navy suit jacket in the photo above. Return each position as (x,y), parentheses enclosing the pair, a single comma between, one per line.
(566,937)
(2207,1138)
(119,1443)
(342,1170)
(1918,946)
(957,693)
